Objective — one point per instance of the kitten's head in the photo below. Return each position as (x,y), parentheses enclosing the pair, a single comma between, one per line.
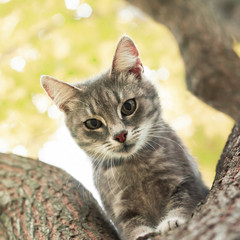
(109,116)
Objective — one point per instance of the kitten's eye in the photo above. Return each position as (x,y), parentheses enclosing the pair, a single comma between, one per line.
(128,107)
(93,124)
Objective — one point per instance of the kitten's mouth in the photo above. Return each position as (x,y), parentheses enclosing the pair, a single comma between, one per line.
(126,147)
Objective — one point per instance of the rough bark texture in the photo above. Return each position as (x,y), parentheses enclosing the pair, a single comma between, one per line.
(212,67)
(229,13)
(39,201)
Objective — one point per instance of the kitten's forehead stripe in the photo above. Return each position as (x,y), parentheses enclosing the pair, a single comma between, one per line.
(92,106)
(151,97)
(151,113)
(117,96)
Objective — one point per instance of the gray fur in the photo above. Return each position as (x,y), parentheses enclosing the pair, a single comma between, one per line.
(148,183)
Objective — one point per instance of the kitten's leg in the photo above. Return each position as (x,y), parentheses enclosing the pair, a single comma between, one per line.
(140,231)
(133,228)
(181,205)
(173,219)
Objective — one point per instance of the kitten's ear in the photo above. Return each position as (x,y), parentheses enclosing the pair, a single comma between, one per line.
(60,92)
(126,58)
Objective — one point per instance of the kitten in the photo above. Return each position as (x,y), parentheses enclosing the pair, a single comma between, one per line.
(147,180)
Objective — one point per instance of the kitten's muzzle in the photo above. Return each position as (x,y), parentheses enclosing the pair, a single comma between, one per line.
(121,137)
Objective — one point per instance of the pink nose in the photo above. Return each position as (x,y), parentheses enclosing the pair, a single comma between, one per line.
(121,137)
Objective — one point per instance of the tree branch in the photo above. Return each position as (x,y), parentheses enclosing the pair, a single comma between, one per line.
(229,13)
(212,67)
(39,201)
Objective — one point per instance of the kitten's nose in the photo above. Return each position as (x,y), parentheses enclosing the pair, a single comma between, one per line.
(121,137)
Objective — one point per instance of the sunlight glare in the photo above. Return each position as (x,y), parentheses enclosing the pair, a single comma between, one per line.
(9,23)
(41,102)
(84,11)
(20,150)
(4,1)
(181,122)
(3,146)
(18,63)
(72,4)
(166,98)
(31,54)
(61,48)
(58,19)
(129,13)
(150,74)
(163,73)
(54,112)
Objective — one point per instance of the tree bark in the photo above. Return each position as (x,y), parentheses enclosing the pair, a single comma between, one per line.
(212,66)
(228,12)
(39,201)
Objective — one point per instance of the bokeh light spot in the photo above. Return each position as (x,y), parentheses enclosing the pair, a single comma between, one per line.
(41,102)
(20,150)
(71,4)
(18,63)
(54,112)
(84,11)
(58,19)
(4,1)
(163,73)
(3,146)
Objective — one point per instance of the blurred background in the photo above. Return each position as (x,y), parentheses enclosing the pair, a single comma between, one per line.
(73,40)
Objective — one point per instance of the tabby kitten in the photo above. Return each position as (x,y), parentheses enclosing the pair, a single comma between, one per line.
(147,180)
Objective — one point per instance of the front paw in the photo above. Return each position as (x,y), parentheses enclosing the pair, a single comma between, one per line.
(140,233)
(148,236)
(169,224)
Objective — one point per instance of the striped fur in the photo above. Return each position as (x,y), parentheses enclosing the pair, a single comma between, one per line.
(149,182)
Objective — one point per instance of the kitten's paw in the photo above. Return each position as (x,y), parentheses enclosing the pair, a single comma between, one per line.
(140,233)
(170,223)
(148,236)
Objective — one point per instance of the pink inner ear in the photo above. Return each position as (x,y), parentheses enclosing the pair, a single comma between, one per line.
(48,91)
(137,69)
(133,49)
(126,58)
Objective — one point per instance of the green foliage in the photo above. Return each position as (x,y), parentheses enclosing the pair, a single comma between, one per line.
(50,40)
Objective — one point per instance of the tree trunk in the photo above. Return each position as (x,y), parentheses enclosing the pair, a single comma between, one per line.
(228,12)
(39,201)
(212,67)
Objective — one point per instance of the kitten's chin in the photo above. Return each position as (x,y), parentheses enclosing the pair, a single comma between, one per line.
(126,148)
(125,151)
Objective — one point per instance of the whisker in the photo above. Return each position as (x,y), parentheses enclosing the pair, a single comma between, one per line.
(112,165)
(151,146)
(108,180)
(184,151)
